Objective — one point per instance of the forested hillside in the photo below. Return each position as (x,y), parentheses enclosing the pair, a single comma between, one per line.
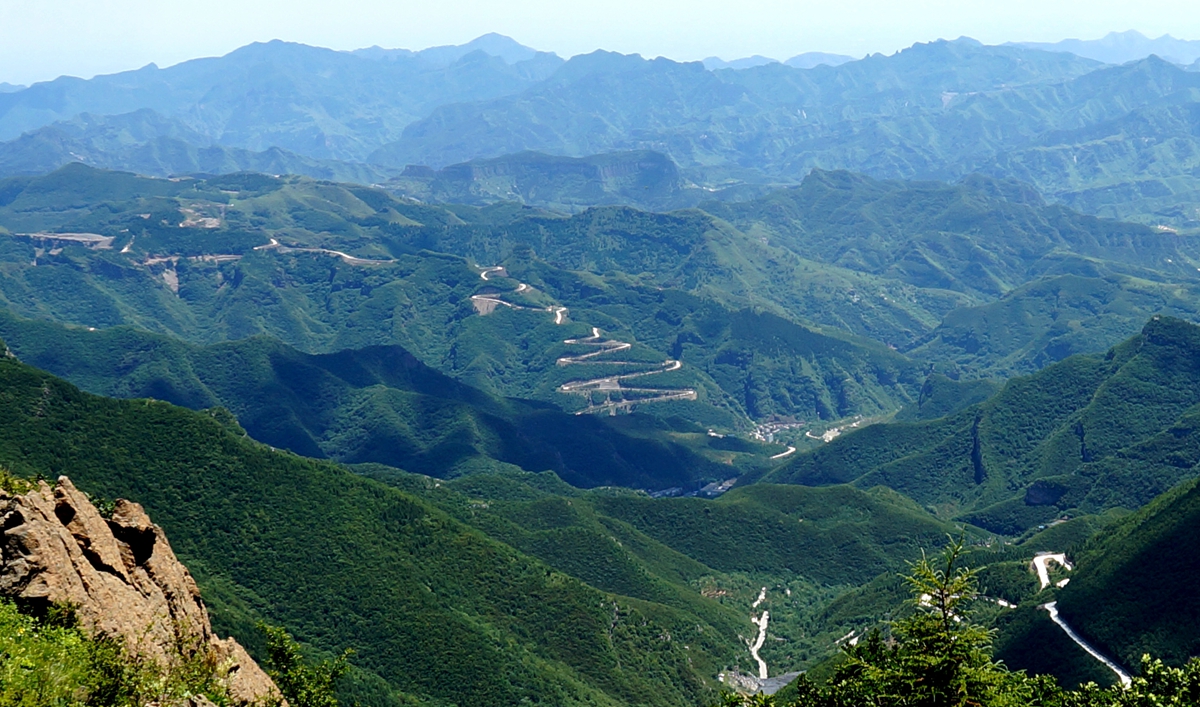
(1136,583)
(378,404)
(1089,433)
(615,381)
(421,598)
(770,306)
(230,281)
(432,579)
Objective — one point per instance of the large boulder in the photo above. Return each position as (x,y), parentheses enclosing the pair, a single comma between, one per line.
(120,576)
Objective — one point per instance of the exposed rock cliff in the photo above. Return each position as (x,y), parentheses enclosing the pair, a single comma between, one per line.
(120,575)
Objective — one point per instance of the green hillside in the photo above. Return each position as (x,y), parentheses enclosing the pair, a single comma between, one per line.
(1049,319)
(615,381)
(805,546)
(1085,434)
(405,287)
(1135,588)
(377,404)
(793,306)
(346,562)
(981,236)
(837,535)
(569,596)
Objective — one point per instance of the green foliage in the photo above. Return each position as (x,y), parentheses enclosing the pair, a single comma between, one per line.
(942,658)
(1052,318)
(761,301)
(50,661)
(303,684)
(14,485)
(1135,582)
(942,396)
(1157,684)
(40,665)
(837,535)
(724,303)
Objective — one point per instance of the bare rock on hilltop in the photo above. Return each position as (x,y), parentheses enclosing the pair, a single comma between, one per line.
(121,577)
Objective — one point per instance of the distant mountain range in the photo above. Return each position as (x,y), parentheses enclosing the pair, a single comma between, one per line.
(801,61)
(1115,141)
(146,142)
(492,44)
(1122,47)
(317,102)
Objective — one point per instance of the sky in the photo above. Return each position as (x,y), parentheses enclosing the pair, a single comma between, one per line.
(43,39)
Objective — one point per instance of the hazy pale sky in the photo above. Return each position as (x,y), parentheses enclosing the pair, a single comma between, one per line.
(42,39)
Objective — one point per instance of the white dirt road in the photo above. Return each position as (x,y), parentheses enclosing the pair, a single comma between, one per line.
(761,621)
(790,450)
(1122,674)
(1041,562)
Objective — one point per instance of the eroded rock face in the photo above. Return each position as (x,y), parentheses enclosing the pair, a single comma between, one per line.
(121,576)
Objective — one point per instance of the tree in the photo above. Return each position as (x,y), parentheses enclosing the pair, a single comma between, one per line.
(303,683)
(935,656)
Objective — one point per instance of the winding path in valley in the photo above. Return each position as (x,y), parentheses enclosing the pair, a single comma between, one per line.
(1041,566)
(761,621)
(617,395)
(1122,674)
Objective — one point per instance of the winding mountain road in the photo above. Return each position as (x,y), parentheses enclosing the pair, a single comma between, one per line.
(612,385)
(617,396)
(1041,565)
(1122,675)
(1041,562)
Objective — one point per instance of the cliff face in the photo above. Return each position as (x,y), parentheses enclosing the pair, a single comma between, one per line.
(121,576)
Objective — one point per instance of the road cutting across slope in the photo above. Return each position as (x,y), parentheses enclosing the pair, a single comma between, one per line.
(790,450)
(1122,674)
(617,395)
(1040,564)
(349,259)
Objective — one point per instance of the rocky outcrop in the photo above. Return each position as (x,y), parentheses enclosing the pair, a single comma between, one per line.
(121,577)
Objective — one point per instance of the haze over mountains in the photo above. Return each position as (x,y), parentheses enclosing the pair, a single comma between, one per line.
(1046,117)
(1122,47)
(617,381)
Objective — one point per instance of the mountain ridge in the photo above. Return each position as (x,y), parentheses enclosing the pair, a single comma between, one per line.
(1123,47)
